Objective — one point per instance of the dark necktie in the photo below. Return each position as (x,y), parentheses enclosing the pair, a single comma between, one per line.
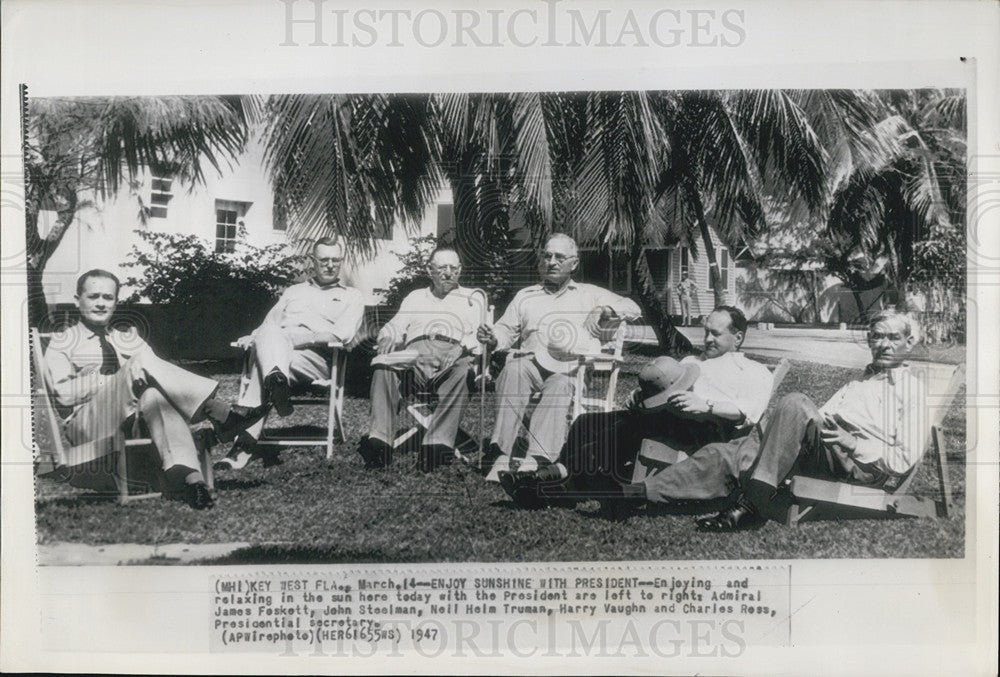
(109,356)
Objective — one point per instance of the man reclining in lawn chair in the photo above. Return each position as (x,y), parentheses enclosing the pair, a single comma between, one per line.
(427,346)
(290,345)
(103,376)
(872,432)
(714,398)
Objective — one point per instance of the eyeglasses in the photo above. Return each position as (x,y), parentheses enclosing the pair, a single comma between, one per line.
(879,335)
(446,269)
(559,258)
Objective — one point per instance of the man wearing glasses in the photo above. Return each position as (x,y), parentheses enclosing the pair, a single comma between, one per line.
(559,310)
(426,347)
(290,346)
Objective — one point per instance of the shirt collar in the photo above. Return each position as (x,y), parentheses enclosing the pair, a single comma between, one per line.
(572,284)
(333,285)
(733,356)
(873,373)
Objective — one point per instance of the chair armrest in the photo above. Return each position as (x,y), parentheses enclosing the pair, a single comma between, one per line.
(592,358)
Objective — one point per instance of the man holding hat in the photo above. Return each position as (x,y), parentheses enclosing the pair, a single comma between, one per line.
(550,323)
(715,397)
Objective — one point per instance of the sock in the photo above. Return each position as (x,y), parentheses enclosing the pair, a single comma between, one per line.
(758,495)
(181,475)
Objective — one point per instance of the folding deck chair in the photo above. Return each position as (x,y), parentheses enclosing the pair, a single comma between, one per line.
(813,496)
(92,465)
(332,400)
(656,454)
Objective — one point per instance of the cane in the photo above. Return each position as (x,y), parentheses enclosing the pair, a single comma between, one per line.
(485,318)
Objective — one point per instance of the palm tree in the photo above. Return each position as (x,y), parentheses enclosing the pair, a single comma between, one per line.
(900,212)
(77,149)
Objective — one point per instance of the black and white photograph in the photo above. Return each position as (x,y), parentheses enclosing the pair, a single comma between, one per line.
(564,326)
(504,370)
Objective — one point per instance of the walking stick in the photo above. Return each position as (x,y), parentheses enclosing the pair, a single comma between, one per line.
(486,317)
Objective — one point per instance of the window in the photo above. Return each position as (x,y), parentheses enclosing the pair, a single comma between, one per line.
(685,258)
(228,224)
(225,230)
(160,193)
(724,267)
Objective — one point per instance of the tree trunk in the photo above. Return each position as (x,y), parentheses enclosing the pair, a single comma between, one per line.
(714,275)
(671,341)
(814,285)
(38,251)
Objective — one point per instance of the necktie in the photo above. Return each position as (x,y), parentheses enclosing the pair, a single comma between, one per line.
(109,356)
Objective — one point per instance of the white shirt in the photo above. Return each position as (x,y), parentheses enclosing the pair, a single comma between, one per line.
(536,315)
(306,306)
(456,316)
(73,361)
(886,411)
(732,377)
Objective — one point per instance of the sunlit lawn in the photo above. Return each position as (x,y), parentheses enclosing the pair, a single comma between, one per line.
(311,509)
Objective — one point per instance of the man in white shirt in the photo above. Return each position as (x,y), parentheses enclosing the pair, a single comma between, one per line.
(436,327)
(871,432)
(557,311)
(726,399)
(291,346)
(102,376)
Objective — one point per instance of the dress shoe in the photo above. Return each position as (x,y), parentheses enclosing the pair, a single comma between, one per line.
(239,457)
(482,461)
(741,517)
(278,392)
(375,452)
(432,456)
(523,488)
(239,419)
(199,496)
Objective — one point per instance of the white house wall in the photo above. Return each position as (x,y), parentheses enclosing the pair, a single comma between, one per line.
(698,270)
(101,235)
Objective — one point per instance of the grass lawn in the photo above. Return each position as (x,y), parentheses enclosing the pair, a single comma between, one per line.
(312,510)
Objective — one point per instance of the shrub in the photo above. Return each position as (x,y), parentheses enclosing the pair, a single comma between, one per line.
(413,273)
(178,270)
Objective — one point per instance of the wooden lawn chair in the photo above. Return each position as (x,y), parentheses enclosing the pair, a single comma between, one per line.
(813,496)
(332,400)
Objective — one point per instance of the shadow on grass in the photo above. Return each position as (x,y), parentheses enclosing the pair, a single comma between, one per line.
(234,483)
(309,554)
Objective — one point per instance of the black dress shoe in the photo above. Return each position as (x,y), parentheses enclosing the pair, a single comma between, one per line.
(483,461)
(239,419)
(278,392)
(741,517)
(199,496)
(433,456)
(376,453)
(524,488)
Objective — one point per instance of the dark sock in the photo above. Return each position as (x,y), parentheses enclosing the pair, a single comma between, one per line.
(181,475)
(757,496)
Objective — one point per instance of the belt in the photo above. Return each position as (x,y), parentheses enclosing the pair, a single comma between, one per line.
(432,337)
